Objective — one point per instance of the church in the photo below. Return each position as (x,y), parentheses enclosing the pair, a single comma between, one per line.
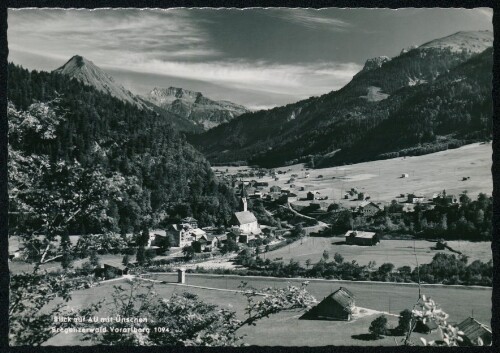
(245,220)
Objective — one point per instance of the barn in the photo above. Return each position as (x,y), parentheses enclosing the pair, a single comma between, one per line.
(473,330)
(356,237)
(338,306)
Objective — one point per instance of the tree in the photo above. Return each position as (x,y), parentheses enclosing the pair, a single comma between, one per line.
(405,321)
(325,255)
(189,321)
(338,258)
(298,231)
(308,263)
(378,327)
(196,245)
(126,260)
(164,243)
(230,246)
(188,251)
(140,256)
(31,309)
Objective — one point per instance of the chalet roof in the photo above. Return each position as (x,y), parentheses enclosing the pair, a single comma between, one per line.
(159,232)
(245,217)
(360,234)
(343,296)
(221,237)
(188,220)
(211,237)
(366,203)
(473,329)
(198,232)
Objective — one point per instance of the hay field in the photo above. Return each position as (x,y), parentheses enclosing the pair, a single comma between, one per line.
(398,252)
(428,174)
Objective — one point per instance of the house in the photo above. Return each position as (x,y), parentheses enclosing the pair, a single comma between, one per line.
(317,205)
(338,306)
(356,237)
(109,271)
(445,199)
(154,235)
(415,198)
(310,196)
(275,188)
(408,207)
(183,234)
(473,330)
(208,242)
(404,175)
(273,196)
(368,208)
(191,221)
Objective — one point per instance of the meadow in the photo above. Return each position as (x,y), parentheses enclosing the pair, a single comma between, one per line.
(382,179)
(285,329)
(397,252)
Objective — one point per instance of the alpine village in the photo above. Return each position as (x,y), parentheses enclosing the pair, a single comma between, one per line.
(359,217)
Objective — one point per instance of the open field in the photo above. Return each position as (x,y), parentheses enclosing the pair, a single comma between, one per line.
(428,174)
(285,329)
(398,252)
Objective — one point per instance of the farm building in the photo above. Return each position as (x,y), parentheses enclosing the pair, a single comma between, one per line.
(356,237)
(338,306)
(311,195)
(368,208)
(415,198)
(404,175)
(473,330)
(110,271)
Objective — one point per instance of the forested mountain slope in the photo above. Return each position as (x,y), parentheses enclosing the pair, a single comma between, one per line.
(161,175)
(407,93)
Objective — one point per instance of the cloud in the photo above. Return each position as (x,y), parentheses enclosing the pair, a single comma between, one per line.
(301,80)
(104,33)
(310,18)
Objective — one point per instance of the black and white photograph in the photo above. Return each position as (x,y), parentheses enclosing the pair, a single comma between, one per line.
(250,177)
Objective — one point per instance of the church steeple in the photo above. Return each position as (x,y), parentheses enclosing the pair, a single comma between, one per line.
(243,198)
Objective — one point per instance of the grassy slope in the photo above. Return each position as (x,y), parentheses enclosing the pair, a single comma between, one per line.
(428,174)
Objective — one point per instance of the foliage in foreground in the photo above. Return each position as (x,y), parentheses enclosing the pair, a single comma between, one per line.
(186,320)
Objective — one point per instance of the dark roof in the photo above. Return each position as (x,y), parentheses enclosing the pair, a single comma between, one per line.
(431,325)
(343,296)
(245,217)
(473,329)
(189,220)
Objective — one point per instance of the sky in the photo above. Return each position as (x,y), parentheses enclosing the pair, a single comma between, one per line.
(260,58)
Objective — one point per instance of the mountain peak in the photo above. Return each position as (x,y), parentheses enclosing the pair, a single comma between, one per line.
(473,41)
(195,107)
(375,63)
(90,74)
